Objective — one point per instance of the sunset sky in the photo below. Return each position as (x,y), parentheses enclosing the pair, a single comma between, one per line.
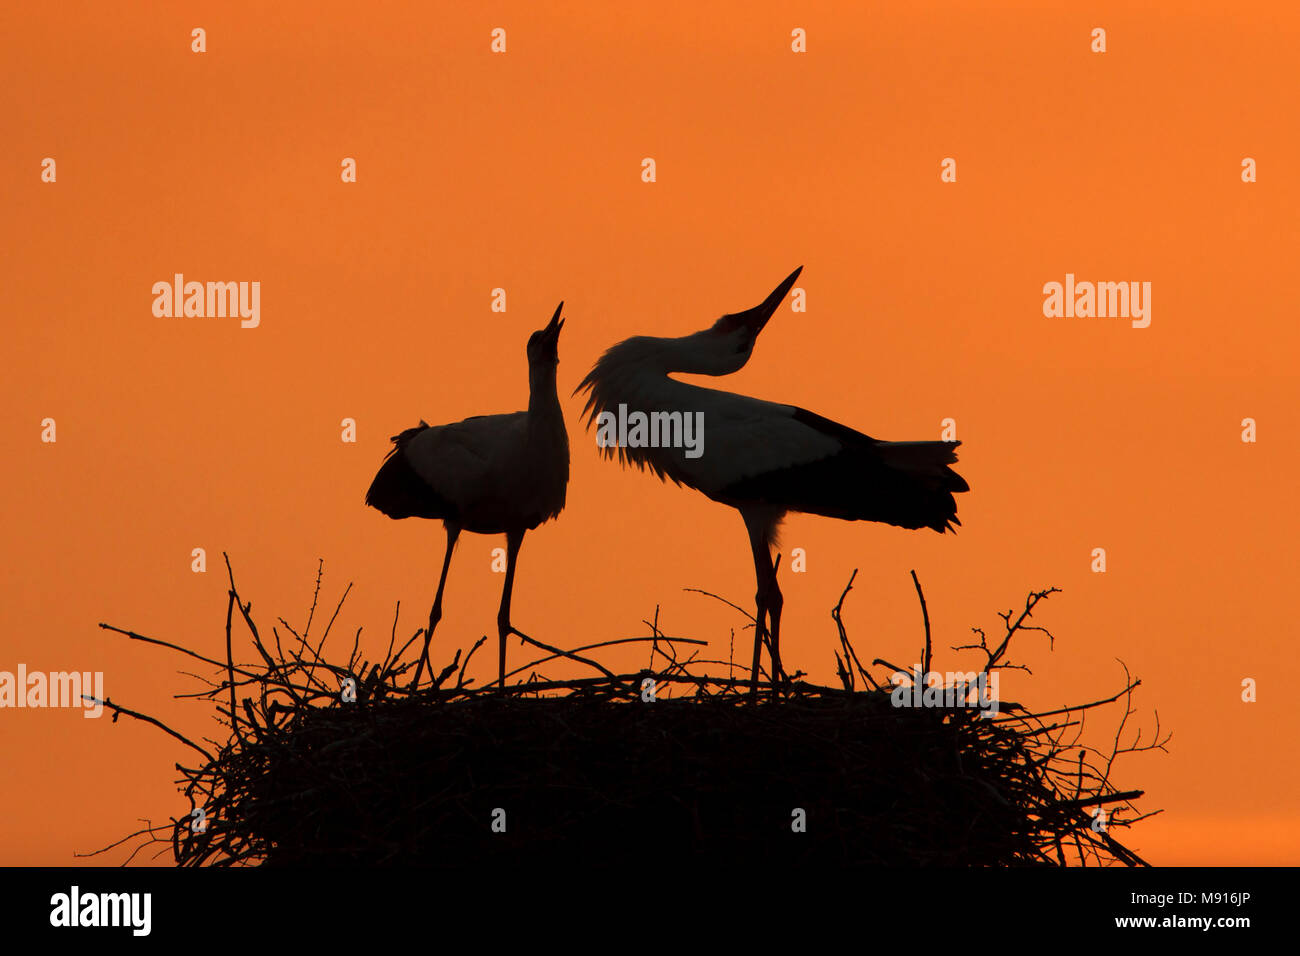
(522,170)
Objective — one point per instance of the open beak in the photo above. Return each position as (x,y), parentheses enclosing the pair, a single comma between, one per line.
(552,330)
(548,337)
(757,317)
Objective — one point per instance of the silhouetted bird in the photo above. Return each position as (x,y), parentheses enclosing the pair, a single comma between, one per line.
(763,458)
(491,474)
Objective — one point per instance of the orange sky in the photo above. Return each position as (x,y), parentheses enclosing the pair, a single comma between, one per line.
(522,171)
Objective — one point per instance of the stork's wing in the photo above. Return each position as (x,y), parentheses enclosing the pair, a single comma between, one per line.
(755,452)
(432,471)
(746,437)
(908,484)
(454,460)
(732,437)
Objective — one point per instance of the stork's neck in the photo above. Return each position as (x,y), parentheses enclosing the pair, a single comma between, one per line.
(543,402)
(700,354)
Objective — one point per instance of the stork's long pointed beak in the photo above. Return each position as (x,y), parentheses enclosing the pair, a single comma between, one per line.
(553,327)
(757,317)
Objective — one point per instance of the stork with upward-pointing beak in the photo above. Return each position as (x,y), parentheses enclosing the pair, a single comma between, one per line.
(764,458)
(491,474)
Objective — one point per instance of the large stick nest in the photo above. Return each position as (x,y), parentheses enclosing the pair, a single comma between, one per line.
(387,763)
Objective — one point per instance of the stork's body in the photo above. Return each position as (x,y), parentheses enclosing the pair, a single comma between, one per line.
(491,474)
(764,458)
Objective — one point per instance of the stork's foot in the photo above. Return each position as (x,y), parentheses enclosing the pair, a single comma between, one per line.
(778,677)
(761,640)
(503,632)
(542,645)
(435,615)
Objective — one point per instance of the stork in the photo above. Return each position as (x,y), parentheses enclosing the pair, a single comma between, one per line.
(763,458)
(490,474)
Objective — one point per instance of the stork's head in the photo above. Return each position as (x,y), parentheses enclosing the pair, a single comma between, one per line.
(732,337)
(543,344)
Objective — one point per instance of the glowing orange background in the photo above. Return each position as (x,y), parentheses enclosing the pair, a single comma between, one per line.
(523,171)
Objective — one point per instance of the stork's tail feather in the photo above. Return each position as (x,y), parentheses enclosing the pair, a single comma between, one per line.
(401,438)
(931,482)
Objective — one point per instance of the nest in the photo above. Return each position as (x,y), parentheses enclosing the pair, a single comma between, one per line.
(385,763)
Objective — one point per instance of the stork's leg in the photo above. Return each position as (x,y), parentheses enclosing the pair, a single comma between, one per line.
(760,530)
(435,614)
(760,635)
(774,603)
(513,540)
